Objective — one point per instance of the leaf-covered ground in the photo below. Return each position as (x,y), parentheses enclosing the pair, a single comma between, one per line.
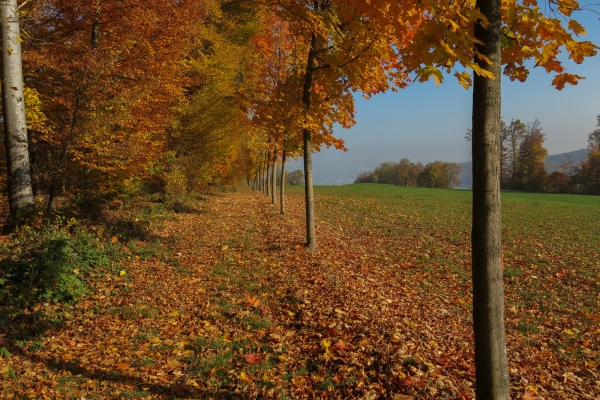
(235,307)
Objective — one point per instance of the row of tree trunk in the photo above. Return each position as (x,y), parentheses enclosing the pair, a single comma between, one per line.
(491,362)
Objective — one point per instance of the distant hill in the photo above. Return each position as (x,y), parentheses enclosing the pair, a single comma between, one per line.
(552,163)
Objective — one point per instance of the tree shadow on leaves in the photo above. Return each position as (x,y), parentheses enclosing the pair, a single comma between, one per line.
(175,390)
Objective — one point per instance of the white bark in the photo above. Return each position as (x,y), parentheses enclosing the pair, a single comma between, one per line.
(13,103)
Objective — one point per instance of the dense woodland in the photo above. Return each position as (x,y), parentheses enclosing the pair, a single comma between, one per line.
(110,100)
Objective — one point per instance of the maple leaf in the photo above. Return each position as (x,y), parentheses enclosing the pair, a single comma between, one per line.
(561,80)
(464,79)
(576,27)
(253,358)
(253,300)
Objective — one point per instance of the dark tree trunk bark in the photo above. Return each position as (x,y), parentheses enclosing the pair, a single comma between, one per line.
(96,27)
(491,365)
(63,157)
(282,188)
(311,240)
(274,179)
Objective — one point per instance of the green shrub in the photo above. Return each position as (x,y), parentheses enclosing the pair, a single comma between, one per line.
(50,264)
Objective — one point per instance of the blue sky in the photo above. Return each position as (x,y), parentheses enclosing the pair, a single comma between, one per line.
(426,122)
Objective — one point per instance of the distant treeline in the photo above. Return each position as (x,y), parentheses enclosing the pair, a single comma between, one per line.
(522,162)
(438,174)
(522,165)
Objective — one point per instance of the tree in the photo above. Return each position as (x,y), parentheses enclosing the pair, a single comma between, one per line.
(346,51)
(531,172)
(559,182)
(386,173)
(406,173)
(513,135)
(491,362)
(366,177)
(20,194)
(108,87)
(295,178)
(594,137)
(439,174)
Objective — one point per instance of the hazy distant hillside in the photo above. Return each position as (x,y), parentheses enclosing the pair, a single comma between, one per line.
(552,163)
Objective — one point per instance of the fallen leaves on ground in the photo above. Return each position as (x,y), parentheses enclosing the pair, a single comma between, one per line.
(247,312)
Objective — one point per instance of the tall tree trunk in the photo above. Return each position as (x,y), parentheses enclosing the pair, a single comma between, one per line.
(63,156)
(311,240)
(491,365)
(274,178)
(20,194)
(282,187)
(96,27)
(268,182)
(264,180)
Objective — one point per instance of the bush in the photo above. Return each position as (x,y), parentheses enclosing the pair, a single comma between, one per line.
(176,193)
(50,264)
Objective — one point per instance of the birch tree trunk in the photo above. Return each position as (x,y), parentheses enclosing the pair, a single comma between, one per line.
(282,187)
(274,178)
(20,195)
(311,240)
(491,365)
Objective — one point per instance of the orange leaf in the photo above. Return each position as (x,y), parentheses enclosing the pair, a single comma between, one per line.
(114,239)
(123,366)
(253,301)
(341,345)
(408,381)
(253,358)
(560,80)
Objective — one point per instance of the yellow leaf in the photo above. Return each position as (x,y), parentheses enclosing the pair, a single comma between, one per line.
(447,48)
(566,7)
(464,79)
(326,344)
(483,72)
(568,331)
(122,272)
(224,247)
(244,378)
(192,382)
(9,51)
(576,27)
